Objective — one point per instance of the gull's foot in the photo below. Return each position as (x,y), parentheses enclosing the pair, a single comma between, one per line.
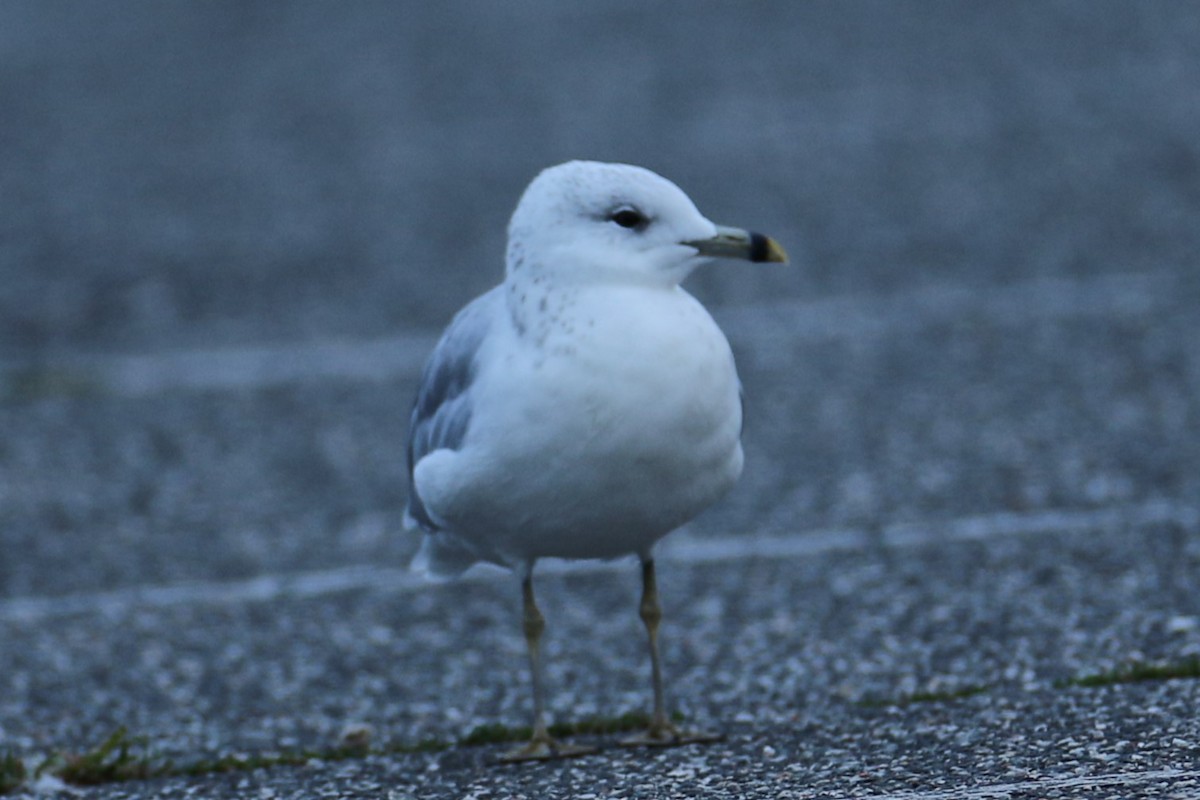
(665,734)
(544,748)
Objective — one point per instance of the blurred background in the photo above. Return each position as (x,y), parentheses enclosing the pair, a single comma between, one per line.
(230,230)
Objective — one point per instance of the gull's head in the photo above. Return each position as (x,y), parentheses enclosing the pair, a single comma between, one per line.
(591,222)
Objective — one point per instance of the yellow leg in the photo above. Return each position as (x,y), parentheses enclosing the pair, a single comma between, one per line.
(541,746)
(662,732)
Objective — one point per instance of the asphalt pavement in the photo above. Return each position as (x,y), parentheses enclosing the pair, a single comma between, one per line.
(962,562)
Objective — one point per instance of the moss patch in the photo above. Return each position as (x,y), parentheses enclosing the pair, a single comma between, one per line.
(1138,672)
(118,758)
(12,772)
(495,733)
(121,757)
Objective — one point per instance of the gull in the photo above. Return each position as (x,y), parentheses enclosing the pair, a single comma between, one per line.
(585,407)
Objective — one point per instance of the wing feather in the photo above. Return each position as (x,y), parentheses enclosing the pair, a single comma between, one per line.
(441,411)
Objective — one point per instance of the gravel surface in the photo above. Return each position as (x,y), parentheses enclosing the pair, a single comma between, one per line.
(231,233)
(814,667)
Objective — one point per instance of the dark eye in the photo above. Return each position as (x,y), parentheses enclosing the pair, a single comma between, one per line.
(628,217)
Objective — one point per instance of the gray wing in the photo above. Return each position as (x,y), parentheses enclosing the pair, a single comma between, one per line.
(441,412)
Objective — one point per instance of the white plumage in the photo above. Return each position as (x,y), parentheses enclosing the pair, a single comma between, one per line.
(587,406)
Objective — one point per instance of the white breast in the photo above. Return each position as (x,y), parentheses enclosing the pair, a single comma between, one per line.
(617,424)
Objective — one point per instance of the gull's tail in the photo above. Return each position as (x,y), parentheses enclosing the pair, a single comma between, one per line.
(442,557)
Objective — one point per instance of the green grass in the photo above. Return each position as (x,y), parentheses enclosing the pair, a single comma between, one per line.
(1138,672)
(495,733)
(118,758)
(499,733)
(121,757)
(12,772)
(628,722)
(299,758)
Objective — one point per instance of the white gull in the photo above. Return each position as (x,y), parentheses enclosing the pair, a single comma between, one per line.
(588,405)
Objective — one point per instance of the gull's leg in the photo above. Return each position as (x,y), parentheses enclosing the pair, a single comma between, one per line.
(662,732)
(541,746)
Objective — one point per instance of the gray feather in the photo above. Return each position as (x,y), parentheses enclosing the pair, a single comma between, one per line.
(441,412)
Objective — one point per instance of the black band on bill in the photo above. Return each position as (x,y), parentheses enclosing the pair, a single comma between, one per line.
(758,247)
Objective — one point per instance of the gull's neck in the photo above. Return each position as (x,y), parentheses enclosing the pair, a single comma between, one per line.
(547,304)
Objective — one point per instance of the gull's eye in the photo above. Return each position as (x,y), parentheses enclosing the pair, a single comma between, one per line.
(628,217)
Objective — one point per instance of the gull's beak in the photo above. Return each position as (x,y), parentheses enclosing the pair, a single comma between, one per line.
(738,243)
